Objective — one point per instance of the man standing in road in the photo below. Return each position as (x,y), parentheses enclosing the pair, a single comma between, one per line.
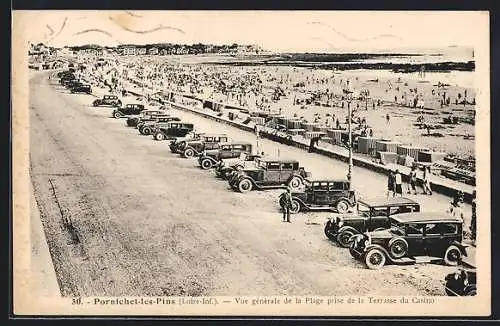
(287,203)
(390,183)
(413,181)
(398,180)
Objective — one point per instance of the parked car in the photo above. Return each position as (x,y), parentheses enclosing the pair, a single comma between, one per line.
(210,158)
(269,173)
(226,167)
(129,109)
(463,282)
(323,195)
(372,214)
(191,148)
(111,100)
(146,115)
(81,88)
(171,129)
(146,127)
(412,238)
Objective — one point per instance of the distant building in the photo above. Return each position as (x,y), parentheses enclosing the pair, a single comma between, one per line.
(129,50)
(153,51)
(140,51)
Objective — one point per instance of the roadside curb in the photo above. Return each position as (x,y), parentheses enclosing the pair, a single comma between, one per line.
(43,276)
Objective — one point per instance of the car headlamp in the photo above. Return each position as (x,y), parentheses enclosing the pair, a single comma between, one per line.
(368,240)
(340,222)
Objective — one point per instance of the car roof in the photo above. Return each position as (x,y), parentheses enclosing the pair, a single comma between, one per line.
(384,201)
(235,143)
(327,180)
(213,135)
(277,159)
(427,217)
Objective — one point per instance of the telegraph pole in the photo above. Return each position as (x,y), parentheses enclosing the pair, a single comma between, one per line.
(349,127)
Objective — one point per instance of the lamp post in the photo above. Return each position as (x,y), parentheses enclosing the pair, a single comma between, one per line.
(348,94)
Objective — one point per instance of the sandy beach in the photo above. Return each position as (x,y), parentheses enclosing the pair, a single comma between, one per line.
(376,95)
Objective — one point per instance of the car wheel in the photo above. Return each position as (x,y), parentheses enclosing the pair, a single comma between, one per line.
(245,185)
(96,103)
(343,238)
(328,231)
(146,131)
(374,259)
(295,183)
(113,104)
(398,248)
(189,153)
(159,136)
(452,256)
(470,290)
(117,115)
(206,164)
(295,206)
(342,206)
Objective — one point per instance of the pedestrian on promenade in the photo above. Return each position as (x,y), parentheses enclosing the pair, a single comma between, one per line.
(314,141)
(427,181)
(391,180)
(413,181)
(398,182)
(388,118)
(286,199)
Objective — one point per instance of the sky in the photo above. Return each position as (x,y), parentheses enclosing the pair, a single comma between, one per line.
(283,31)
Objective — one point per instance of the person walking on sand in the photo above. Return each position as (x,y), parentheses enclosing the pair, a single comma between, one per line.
(286,199)
(388,118)
(398,182)
(391,180)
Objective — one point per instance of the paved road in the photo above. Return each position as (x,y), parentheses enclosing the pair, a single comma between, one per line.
(124,216)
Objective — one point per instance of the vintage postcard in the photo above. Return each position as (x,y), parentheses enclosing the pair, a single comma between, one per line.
(262,163)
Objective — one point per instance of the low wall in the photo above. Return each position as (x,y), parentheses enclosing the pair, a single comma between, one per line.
(436,186)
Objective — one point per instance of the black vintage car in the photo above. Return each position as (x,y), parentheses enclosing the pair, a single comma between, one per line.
(81,88)
(146,127)
(146,115)
(463,282)
(226,167)
(323,195)
(210,158)
(412,238)
(372,214)
(129,109)
(110,100)
(269,173)
(191,148)
(171,129)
